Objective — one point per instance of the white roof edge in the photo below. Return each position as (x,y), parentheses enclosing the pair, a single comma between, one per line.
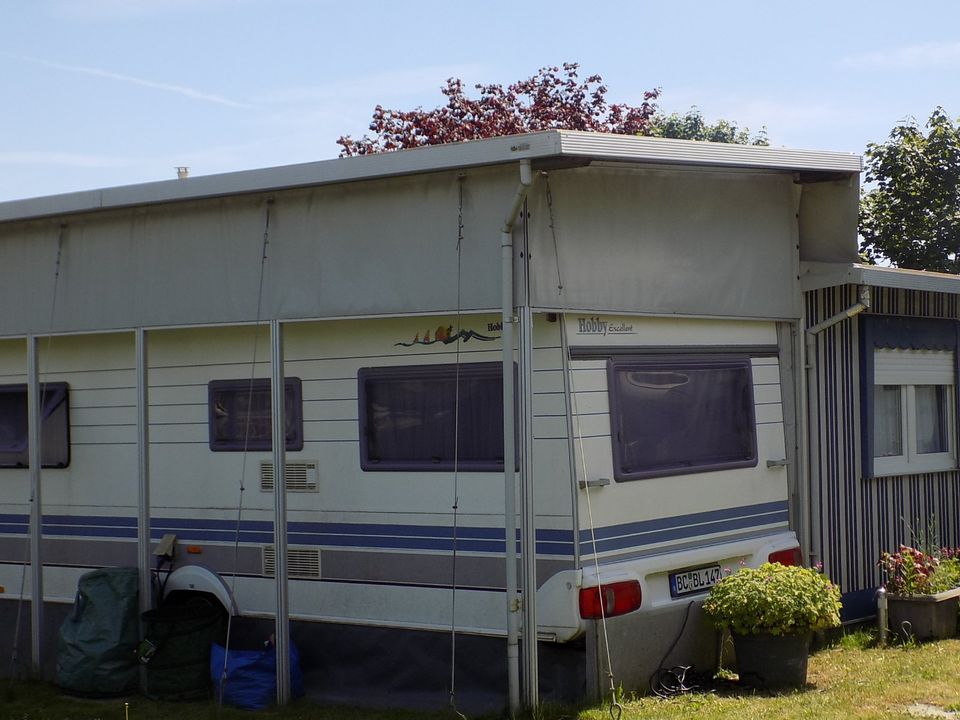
(690,152)
(493,151)
(818,275)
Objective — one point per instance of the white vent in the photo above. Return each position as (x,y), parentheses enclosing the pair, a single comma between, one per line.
(301,562)
(300,476)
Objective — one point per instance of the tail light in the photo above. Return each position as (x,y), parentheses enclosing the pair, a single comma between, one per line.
(610,600)
(791,556)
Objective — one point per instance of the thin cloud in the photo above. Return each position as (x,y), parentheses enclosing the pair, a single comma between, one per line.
(165,87)
(911,57)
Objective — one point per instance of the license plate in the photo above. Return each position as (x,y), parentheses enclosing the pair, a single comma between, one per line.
(697,580)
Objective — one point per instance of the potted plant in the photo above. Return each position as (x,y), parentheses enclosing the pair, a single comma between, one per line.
(922,592)
(771,612)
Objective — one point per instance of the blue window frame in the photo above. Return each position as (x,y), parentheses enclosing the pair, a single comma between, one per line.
(679,415)
(54,426)
(240,414)
(409,417)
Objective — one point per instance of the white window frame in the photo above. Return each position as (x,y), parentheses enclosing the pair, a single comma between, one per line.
(908,369)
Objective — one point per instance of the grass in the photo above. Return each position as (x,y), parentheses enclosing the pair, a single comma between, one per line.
(852,680)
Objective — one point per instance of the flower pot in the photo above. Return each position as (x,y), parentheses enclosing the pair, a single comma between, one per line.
(772,661)
(924,617)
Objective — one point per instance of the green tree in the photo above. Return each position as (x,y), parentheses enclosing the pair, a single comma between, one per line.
(553,98)
(692,126)
(911,214)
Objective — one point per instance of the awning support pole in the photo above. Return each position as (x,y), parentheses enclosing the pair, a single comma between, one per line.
(509,447)
(34,420)
(279,442)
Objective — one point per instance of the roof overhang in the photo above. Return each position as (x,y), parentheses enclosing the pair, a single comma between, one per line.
(551,148)
(817,275)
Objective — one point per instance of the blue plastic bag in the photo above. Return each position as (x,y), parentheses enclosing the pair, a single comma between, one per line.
(251,677)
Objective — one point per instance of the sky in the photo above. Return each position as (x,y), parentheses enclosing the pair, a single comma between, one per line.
(100,93)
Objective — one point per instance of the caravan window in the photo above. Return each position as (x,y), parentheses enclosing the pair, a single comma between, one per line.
(671,416)
(54,427)
(240,414)
(409,418)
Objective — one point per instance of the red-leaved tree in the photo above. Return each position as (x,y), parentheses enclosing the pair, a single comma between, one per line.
(554,98)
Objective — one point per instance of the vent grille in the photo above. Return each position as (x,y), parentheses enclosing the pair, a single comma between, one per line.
(301,562)
(300,476)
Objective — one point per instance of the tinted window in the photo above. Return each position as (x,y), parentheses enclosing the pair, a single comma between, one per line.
(240,414)
(55,426)
(423,418)
(682,415)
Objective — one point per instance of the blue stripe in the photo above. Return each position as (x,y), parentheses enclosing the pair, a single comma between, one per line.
(550,542)
(682,527)
(344,535)
(99,520)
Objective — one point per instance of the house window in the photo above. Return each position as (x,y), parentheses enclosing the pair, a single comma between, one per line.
(240,414)
(672,416)
(431,417)
(54,426)
(913,411)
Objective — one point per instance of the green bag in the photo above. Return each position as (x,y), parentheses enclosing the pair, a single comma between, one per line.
(97,646)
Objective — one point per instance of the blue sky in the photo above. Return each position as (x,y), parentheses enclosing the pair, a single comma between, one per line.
(98,93)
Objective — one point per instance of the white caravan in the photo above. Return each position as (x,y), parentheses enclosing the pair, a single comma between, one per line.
(643,292)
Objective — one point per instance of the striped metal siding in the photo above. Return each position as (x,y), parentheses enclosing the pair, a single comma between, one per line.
(860,518)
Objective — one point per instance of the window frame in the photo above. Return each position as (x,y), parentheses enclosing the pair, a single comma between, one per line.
(492,370)
(889,332)
(293,403)
(17,454)
(910,461)
(678,363)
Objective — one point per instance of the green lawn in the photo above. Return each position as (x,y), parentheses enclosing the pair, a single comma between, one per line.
(846,681)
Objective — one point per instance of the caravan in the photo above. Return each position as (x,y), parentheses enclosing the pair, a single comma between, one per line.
(548,381)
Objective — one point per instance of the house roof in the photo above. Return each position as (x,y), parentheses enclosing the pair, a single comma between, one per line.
(817,275)
(552,146)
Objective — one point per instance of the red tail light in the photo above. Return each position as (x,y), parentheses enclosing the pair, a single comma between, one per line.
(610,600)
(786,557)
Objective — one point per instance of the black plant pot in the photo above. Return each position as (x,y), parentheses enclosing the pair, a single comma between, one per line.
(772,661)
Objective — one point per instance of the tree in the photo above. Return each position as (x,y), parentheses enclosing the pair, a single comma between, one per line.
(554,98)
(912,215)
(692,126)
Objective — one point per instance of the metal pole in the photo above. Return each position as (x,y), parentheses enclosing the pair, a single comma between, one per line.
(279,435)
(509,444)
(143,472)
(34,420)
(509,480)
(528,518)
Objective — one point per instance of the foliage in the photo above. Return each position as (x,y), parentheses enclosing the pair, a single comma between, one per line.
(553,98)
(910,571)
(774,598)
(912,215)
(692,126)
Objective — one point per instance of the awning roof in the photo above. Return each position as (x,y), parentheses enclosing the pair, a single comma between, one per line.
(546,147)
(815,275)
